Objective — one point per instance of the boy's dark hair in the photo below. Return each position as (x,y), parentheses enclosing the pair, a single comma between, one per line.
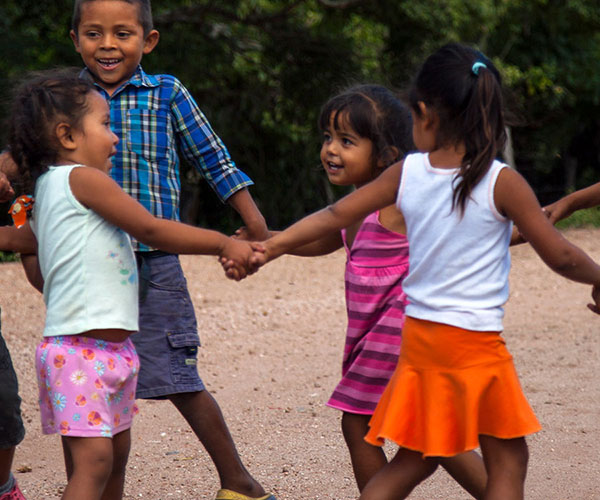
(144,14)
(375,113)
(467,98)
(42,102)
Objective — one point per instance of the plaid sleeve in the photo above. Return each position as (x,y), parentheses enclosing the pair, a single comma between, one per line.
(203,148)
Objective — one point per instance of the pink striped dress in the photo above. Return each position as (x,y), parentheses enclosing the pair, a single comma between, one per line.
(376,265)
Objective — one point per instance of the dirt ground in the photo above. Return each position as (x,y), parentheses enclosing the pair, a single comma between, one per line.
(271,355)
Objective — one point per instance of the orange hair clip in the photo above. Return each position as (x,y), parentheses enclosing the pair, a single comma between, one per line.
(19,209)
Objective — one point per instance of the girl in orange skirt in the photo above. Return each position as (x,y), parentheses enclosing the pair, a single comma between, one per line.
(455,386)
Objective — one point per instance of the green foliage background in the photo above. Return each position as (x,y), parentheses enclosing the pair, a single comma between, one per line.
(261,69)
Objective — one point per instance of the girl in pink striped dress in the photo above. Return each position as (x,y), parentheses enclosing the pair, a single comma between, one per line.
(366,129)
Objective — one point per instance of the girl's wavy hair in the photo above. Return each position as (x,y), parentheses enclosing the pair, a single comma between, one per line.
(375,113)
(38,106)
(468,101)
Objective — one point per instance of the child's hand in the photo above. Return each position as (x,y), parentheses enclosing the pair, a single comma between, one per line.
(260,256)
(6,191)
(237,258)
(557,211)
(239,254)
(232,268)
(596,297)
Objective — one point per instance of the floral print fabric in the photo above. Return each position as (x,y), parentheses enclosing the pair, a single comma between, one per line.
(86,386)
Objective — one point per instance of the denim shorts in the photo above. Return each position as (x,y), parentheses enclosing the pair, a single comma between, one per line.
(167,342)
(12,430)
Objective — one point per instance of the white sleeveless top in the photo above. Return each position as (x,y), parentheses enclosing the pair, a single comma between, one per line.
(458,267)
(88,265)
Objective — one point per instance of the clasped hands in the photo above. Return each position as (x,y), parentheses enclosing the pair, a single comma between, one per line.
(242,257)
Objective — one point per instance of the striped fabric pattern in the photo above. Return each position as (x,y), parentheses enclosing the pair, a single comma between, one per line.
(156,120)
(375,267)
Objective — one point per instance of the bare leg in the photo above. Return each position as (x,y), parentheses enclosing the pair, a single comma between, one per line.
(506,465)
(366,459)
(399,477)
(116,482)
(91,463)
(204,416)
(468,470)
(6,459)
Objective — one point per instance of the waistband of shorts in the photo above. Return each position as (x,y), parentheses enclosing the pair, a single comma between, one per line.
(81,341)
(152,254)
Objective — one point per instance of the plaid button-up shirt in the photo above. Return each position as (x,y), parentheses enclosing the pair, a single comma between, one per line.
(156,119)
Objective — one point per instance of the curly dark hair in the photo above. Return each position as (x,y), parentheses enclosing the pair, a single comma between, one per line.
(39,105)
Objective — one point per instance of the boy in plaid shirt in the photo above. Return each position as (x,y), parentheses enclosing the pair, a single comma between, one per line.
(156,119)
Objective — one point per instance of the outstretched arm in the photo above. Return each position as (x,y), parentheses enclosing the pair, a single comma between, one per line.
(379,193)
(584,198)
(97,191)
(516,199)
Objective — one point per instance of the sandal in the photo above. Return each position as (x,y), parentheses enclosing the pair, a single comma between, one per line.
(232,495)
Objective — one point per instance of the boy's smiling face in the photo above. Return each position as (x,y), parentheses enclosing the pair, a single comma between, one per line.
(111,41)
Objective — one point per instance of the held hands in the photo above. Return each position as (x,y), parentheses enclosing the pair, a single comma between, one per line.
(258,259)
(234,270)
(236,258)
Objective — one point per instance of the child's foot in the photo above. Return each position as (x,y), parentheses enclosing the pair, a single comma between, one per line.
(13,494)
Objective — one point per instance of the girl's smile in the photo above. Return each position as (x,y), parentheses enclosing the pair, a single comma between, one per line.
(346,157)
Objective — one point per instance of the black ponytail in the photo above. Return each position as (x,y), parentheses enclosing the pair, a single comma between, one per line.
(464,88)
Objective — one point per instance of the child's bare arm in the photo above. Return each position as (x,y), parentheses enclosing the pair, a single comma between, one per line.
(378,194)
(584,198)
(18,240)
(31,266)
(516,238)
(98,191)
(326,245)
(243,203)
(516,199)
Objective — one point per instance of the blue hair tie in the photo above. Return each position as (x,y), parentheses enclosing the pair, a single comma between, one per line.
(476,66)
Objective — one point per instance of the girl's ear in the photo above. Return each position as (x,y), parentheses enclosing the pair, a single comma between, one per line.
(428,115)
(65,137)
(388,156)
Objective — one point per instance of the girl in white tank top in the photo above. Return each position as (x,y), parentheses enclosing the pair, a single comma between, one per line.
(455,386)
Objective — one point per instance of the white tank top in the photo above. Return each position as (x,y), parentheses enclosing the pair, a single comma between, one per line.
(458,267)
(88,265)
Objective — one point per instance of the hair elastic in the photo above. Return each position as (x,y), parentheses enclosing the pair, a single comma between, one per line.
(20,209)
(476,66)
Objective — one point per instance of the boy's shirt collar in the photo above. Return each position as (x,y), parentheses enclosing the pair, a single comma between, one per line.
(139,79)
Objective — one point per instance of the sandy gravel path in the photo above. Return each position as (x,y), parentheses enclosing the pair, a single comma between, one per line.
(271,355)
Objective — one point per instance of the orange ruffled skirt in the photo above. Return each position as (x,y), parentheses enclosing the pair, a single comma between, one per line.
(450,386)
